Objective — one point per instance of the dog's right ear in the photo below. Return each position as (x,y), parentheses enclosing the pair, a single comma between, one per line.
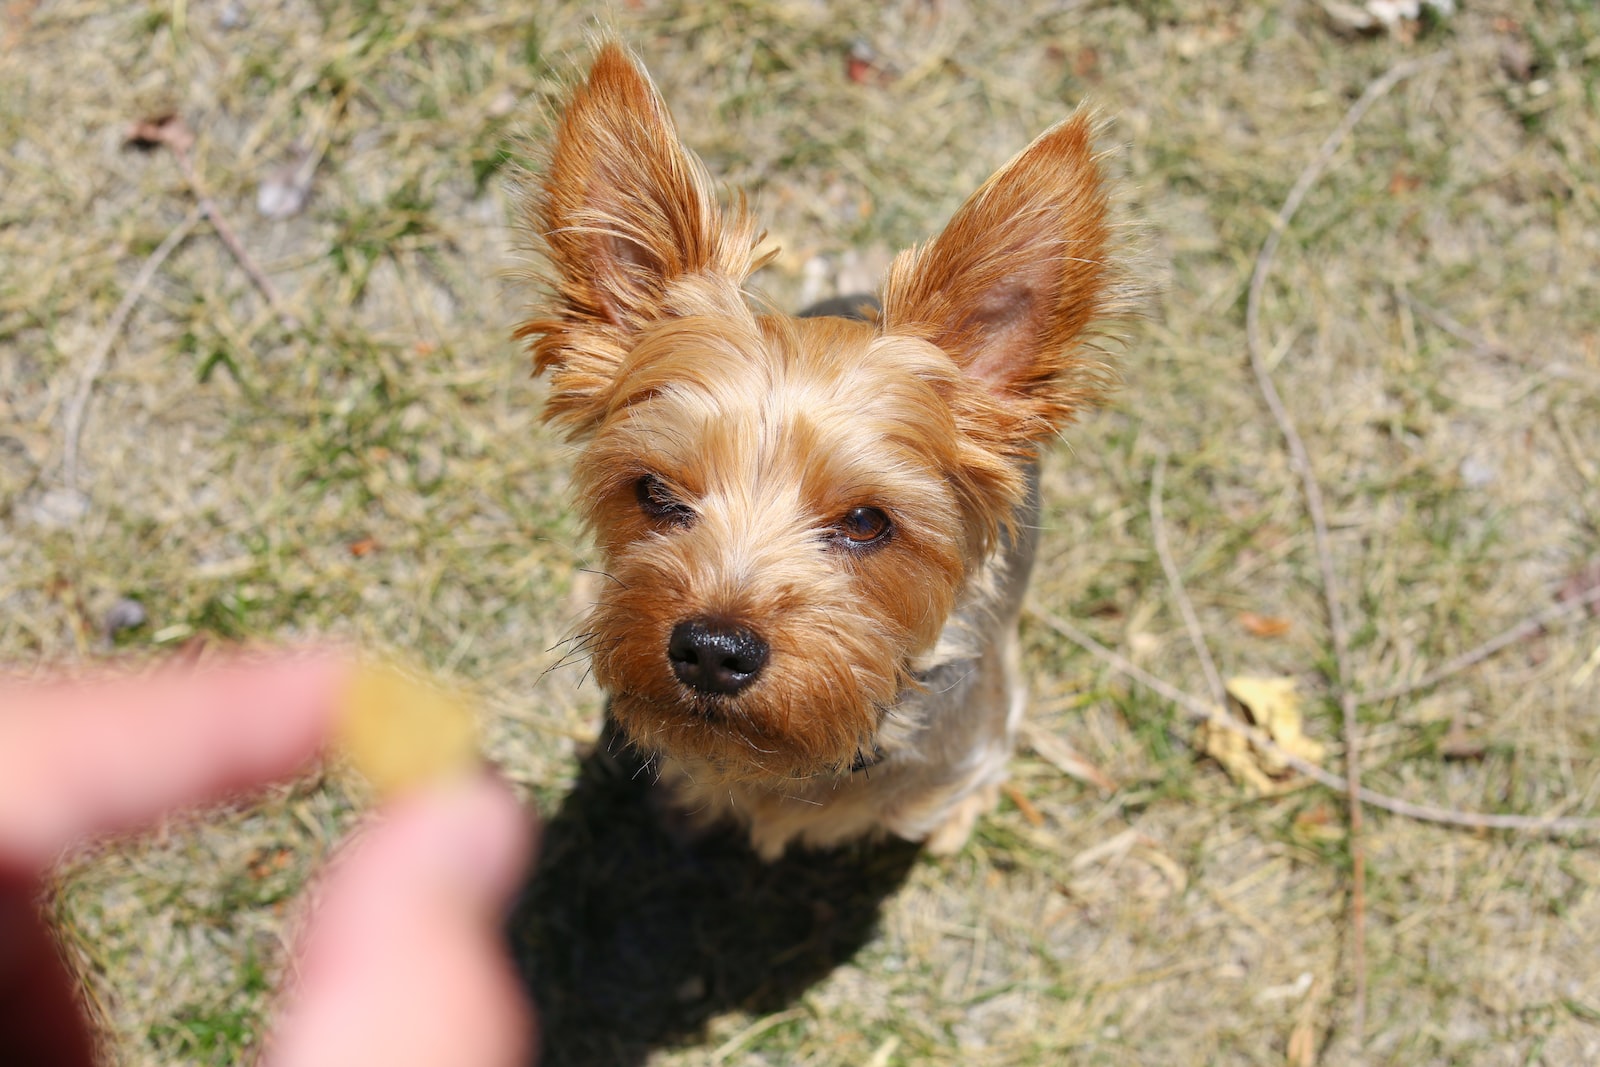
(622,211)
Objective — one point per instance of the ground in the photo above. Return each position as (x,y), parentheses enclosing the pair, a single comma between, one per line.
(365,459)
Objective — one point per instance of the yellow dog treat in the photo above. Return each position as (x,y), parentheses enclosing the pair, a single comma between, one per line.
(401,731)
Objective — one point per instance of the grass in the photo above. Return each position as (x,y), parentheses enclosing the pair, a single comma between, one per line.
(381,474)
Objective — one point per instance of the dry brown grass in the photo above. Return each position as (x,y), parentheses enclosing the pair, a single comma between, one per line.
(1433,318)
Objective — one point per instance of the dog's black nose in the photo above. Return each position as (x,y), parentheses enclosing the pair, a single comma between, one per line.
(715,656)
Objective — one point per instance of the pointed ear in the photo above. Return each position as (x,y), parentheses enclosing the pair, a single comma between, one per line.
(1013,285)
(622,211)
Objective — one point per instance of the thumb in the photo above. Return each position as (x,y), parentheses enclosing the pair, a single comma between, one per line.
(402,963)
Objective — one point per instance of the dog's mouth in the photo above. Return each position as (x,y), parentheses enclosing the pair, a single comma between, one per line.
(719,734)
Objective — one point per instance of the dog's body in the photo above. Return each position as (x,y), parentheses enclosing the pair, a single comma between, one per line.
(817,531)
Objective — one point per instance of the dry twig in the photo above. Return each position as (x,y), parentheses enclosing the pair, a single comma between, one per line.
(171,132)
(1191,621)
(1301,462)
(77,408)
(1523,630)
(1197,708)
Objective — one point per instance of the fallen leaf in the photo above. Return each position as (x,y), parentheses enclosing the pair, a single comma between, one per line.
(265,862)
(861,65)
(1086,64)
(1024,805)
(1264,625)
(164,129)
(1302,1048)
(1459,744)
(1401,182)
(18,19)
(1318,825)
(1236,755)
(1583,584)
(1274,706)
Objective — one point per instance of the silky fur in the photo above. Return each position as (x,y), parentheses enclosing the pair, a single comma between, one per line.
(769,429)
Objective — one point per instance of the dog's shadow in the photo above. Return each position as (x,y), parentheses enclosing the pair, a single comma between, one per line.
(632,939)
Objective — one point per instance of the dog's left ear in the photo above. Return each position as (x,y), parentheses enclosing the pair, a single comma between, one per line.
(1014,284)
(622,211)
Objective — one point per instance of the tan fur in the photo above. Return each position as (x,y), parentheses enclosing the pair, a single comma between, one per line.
(764,432)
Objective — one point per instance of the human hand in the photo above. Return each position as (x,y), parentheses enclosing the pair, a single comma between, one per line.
(400,965)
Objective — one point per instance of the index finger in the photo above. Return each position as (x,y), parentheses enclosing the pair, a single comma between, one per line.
(87,756)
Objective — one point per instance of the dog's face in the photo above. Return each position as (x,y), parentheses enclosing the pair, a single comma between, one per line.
(789,509)
(777,504)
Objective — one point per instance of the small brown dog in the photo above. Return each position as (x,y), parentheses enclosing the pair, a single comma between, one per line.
(816,531)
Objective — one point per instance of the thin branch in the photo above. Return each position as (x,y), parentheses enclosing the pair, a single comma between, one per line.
(230,239)
(174,134)
(77,408)
(1197,708)
(1191,621)
(1301,461)
(1523,630)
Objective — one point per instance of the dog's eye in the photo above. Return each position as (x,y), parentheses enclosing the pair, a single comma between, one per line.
(862,527)
(657,501)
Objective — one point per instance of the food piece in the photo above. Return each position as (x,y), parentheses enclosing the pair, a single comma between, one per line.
(402,731)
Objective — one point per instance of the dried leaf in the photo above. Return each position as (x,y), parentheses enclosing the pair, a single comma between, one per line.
(1459,744)
(1318,825)
(1582,584)
(1274,707)
(18,19)
(1302,1050)
(1024,805)
(1402,182)
(1236,755)
(156,130)
(861,65)
(1264,625)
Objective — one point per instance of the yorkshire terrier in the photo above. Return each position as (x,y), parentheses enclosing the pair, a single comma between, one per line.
(817,530)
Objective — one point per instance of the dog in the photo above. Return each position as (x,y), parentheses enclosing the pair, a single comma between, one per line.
(816,530)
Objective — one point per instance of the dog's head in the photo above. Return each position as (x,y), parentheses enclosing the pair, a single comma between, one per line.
(789,509)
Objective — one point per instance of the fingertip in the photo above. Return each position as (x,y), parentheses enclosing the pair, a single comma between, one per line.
(403,959)
(101,752)
(472,836)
